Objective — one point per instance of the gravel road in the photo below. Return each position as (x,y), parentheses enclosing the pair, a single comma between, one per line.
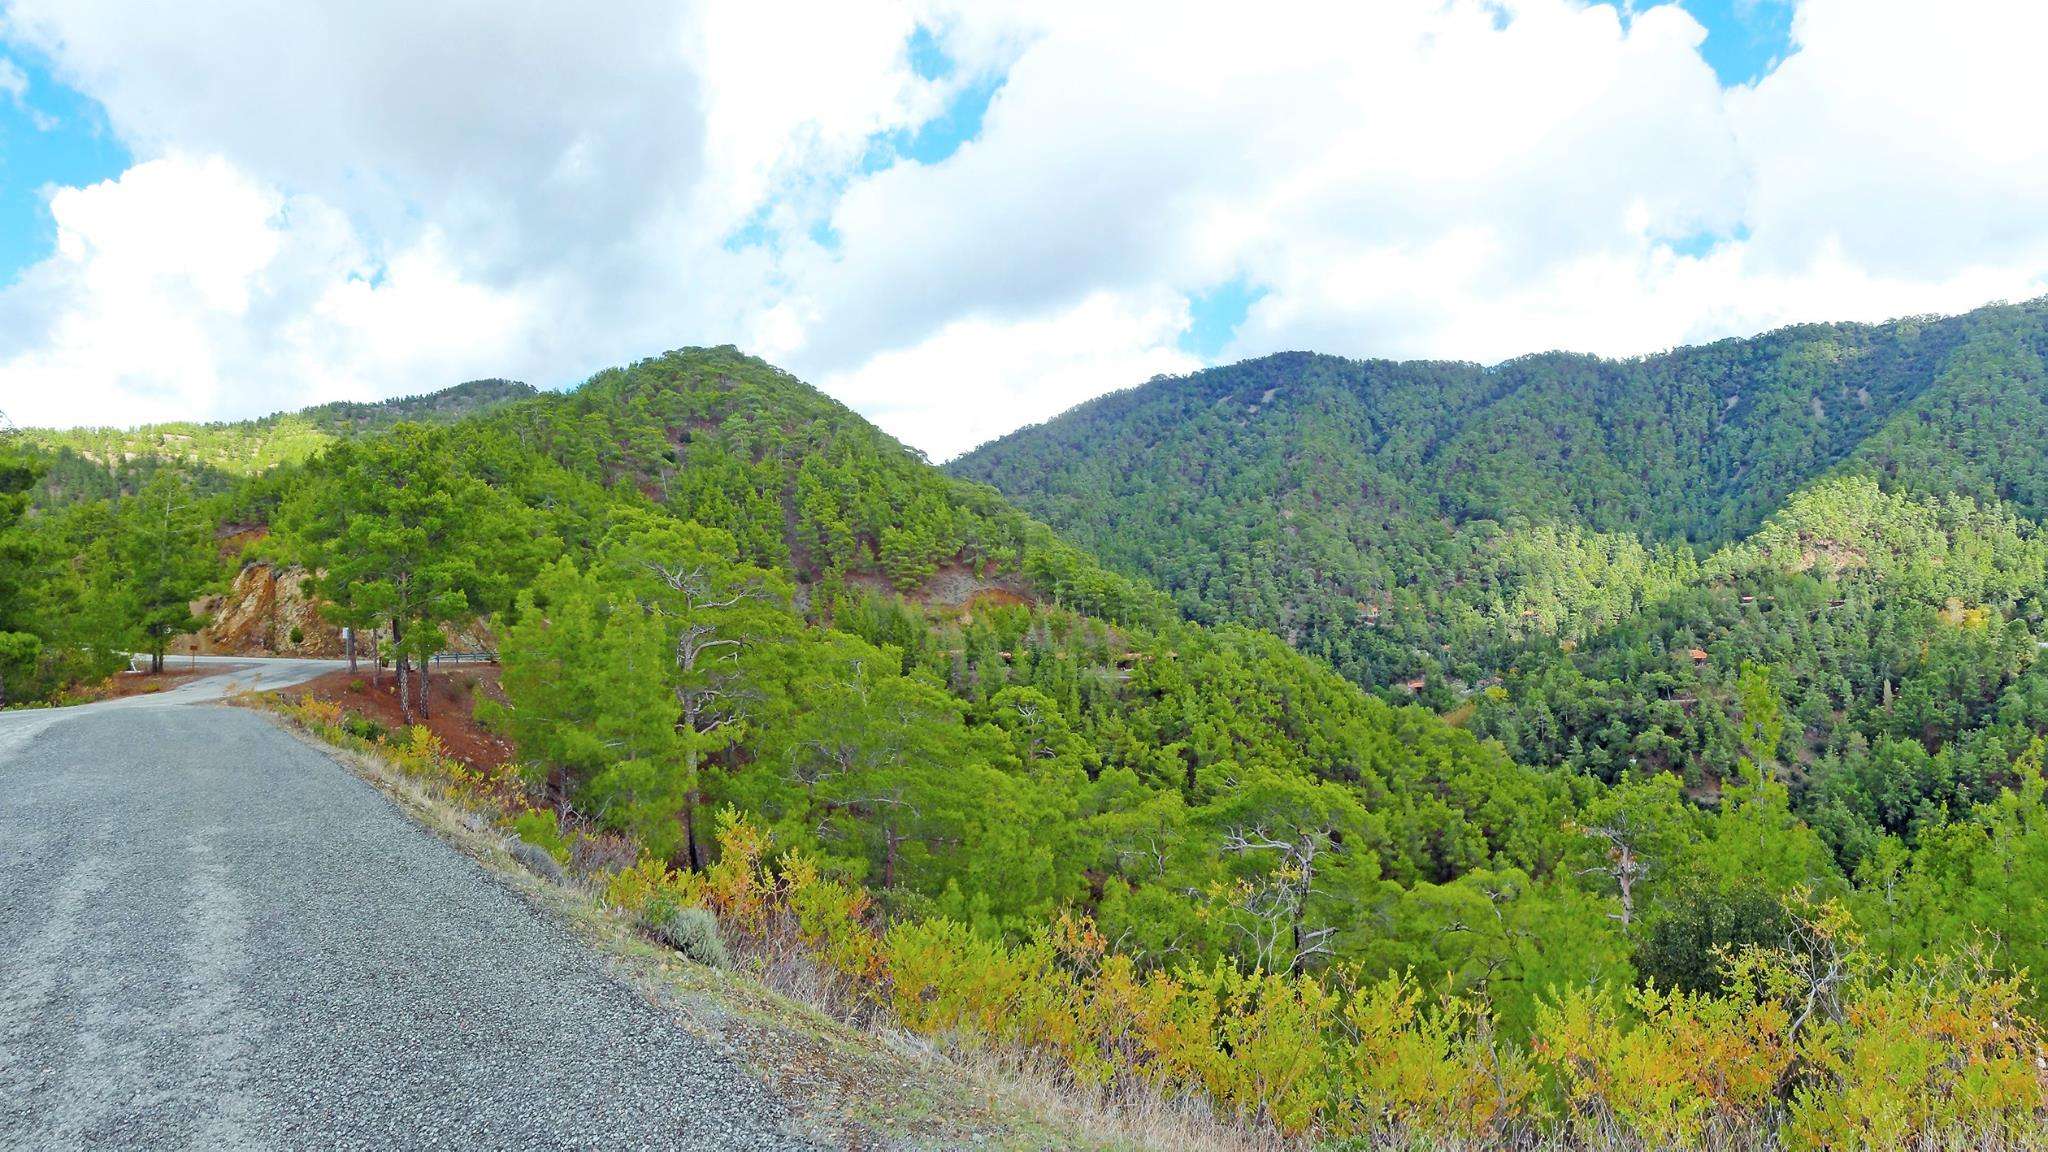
(214,936)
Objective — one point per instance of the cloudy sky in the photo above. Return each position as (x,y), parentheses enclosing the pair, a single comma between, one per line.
(963,217)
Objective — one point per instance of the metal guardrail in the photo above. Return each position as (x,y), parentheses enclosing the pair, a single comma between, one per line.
(465,658)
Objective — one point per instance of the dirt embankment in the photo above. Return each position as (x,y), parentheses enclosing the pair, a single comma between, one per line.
(125,684)
(953,588)
(453,691)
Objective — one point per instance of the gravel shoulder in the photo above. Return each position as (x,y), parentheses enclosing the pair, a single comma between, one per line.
(213,935)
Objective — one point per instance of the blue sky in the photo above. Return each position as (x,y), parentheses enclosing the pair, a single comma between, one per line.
(49,135)
(1745,38)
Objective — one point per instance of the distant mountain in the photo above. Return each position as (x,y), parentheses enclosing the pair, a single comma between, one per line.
(93,463)
(1427,519)
(346,417)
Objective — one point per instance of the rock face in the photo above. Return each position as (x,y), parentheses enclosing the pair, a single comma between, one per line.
(269,611)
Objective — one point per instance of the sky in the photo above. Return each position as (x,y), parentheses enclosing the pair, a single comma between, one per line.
(962,217)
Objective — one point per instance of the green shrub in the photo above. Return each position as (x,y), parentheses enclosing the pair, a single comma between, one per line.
(690,931)
(540,828)
(364,728)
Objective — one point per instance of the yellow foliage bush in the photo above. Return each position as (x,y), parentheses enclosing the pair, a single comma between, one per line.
(1153,1027)
(832,919)
(631,890)
(739,886)
(1434,1074)
(1274,1026)
(1685,1066)
(1939,1048)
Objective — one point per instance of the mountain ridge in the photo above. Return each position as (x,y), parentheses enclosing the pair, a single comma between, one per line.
(1374,477)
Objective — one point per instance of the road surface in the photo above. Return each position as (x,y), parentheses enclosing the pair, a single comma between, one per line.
(214,936)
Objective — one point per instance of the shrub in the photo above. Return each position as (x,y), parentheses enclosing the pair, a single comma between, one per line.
(831,918)
(740,887)
(298,635)
(1936,1049)
(536,860)
(421,754)
(540,828)
(357,686)
(1431,1070)
(651,882)
(690,931)
(364,728)
(594,852)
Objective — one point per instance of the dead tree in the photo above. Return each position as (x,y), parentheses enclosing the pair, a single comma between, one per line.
(1274,906)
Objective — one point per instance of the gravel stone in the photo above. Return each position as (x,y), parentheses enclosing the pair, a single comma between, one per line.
(214,936)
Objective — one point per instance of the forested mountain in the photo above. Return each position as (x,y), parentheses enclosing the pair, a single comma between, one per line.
(1014,794)
(1424,519)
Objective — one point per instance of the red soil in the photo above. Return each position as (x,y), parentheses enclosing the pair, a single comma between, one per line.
(451,705)
(122,684)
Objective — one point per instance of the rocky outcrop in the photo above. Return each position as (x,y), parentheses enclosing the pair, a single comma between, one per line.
(269,611)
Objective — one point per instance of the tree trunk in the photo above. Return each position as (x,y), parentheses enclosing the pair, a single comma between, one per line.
(351,650)
(888,856)
(426,663)
(398,669)
(696,857)
(156,657)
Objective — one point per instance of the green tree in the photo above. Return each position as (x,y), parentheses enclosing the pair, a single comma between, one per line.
(165,556)
(19,643)
(711,613)
(401,533)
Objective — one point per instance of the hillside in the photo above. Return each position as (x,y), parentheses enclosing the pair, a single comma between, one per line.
(1425,519)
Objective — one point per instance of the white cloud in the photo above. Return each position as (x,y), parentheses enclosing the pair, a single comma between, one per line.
(396,195)
(184,288)
(1006,374)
